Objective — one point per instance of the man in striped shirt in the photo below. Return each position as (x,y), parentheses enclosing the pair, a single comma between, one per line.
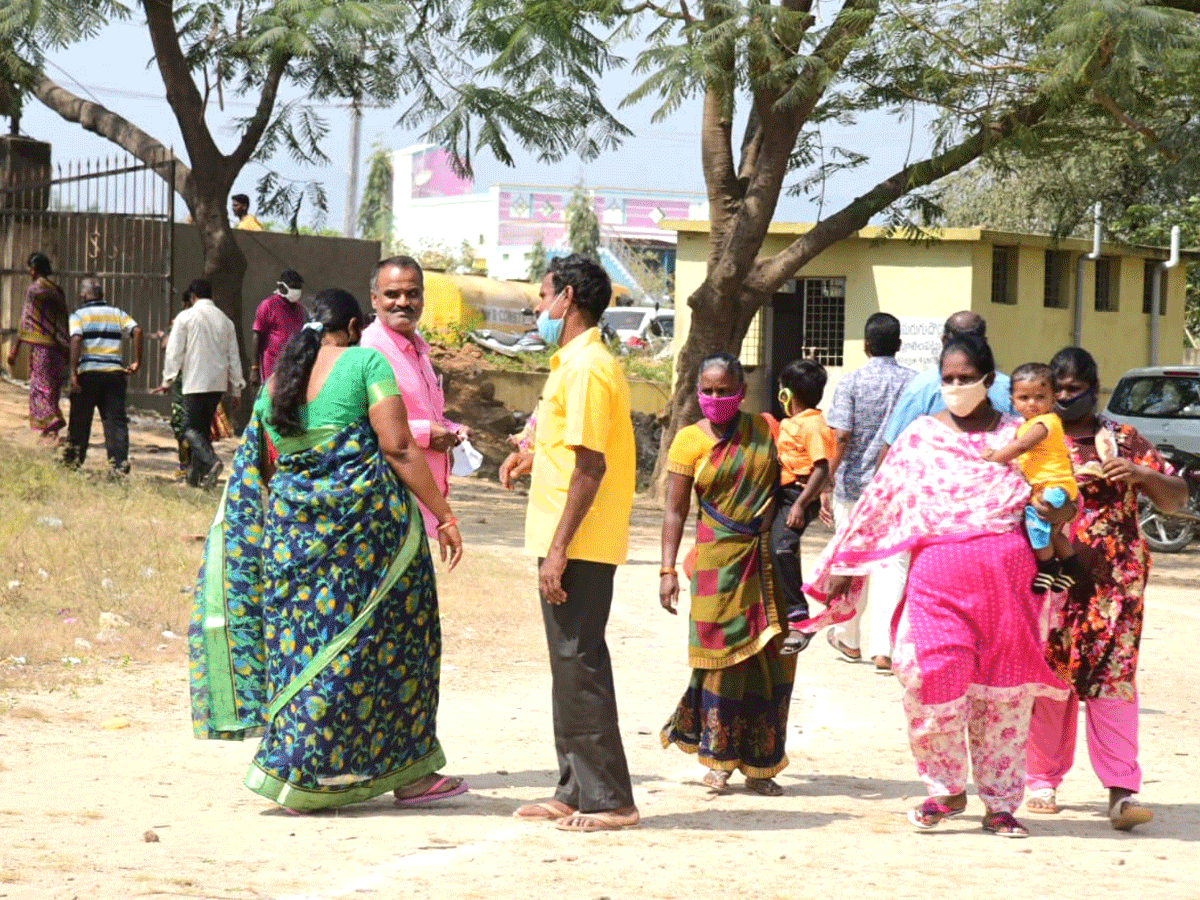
(99,375)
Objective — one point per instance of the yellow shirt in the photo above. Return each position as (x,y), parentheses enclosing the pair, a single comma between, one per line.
(248,223)
(585,403)
(1047,464)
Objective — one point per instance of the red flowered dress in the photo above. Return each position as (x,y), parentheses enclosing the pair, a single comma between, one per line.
(1094,646)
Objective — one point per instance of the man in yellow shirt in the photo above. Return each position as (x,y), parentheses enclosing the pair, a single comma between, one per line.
(577,524)
(241,211)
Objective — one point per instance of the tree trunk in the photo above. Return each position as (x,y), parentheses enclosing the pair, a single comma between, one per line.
(719,330)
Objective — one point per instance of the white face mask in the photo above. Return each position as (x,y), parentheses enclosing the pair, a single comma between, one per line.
(961,399)
(291,293)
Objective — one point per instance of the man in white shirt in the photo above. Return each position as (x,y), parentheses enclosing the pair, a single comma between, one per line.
(203,351)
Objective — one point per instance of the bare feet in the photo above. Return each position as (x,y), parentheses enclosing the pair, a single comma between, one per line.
(883,665)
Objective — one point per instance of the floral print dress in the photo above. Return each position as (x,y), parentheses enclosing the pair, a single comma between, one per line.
(1094,638)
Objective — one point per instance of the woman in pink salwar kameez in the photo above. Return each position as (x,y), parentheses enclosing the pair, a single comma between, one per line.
(967,633)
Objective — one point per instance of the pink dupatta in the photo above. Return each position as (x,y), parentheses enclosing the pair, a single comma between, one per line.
(933,487)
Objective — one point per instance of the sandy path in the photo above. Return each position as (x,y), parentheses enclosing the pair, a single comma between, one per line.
(76,798)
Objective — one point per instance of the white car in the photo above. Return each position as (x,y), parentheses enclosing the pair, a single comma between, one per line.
(1163,403)
(640,327)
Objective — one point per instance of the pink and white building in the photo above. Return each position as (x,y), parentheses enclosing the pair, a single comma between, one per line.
(434,207)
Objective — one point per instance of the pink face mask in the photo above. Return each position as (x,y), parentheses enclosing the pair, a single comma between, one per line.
(720,410)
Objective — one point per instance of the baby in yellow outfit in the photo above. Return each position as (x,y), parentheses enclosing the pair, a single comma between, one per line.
(1041,452)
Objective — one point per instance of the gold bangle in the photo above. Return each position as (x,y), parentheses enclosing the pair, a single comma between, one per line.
(449,523)
(667,570)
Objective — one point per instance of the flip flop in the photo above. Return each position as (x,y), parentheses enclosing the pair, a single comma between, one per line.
(1127,812)
(608,820)
(842,650)
(764,787)
(716,781)
(544,811)
(931,813)
(434,793)
(1003,824)
(1043,801)
(795,642)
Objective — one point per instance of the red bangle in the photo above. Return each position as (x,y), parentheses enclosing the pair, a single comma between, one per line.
(667,570)
(449,523)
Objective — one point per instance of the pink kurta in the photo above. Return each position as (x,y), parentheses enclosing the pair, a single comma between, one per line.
(423,398)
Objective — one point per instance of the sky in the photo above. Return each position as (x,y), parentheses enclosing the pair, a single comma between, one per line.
(115,69)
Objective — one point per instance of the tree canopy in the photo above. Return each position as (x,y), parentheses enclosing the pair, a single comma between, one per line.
(973,78)
(205,52)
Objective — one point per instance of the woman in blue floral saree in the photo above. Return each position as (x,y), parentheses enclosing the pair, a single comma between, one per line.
(316,622)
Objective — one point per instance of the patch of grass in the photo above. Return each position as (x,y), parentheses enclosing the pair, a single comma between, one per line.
(91,569)
(646,368)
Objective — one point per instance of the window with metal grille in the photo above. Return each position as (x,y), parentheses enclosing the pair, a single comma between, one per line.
(1148,268)
(1105,299)
(1004,275)
(824,309)
(1054,291)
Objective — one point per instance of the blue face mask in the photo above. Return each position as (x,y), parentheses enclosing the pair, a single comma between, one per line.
(550,330)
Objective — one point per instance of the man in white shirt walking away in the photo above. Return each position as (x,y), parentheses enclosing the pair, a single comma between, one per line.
(203,351)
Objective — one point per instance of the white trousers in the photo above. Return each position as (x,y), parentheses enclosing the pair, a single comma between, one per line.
(885,587)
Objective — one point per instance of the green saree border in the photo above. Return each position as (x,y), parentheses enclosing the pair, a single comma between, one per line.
(293,797)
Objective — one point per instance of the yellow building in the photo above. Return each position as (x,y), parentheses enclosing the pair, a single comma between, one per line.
(1024,285)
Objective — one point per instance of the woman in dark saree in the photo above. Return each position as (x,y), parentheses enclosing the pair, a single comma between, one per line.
(316,621)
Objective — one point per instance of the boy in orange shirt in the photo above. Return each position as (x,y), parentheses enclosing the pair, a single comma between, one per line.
(804,445)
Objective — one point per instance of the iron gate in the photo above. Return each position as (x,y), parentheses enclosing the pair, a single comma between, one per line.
(111,218)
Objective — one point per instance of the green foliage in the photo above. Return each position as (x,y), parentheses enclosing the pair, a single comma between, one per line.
(583,228)
(375,209)
(538,262)
(453,334)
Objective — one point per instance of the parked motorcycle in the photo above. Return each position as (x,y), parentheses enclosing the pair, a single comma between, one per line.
(1171,533)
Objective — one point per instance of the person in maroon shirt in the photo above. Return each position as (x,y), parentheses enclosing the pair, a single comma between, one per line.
(276,320)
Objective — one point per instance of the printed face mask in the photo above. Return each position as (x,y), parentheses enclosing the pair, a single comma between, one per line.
(961,399)
(1078,407)
(720,410)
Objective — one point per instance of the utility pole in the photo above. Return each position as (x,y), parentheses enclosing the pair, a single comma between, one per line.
(349,223)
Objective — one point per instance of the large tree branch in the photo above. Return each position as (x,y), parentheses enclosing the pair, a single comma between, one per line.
(115,128)
(781,119)
(262,114)
(771,272)
(1126,120)
(186,102)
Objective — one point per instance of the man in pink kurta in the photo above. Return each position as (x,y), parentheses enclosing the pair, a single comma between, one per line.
(398,298)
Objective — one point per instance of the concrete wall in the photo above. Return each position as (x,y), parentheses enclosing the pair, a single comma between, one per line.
(324,262)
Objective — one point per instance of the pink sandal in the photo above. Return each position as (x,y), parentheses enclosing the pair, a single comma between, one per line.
(930,814)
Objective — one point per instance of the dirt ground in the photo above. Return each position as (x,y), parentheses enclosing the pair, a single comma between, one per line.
(89,810)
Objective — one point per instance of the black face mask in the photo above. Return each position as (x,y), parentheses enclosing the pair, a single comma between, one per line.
(1078,407)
